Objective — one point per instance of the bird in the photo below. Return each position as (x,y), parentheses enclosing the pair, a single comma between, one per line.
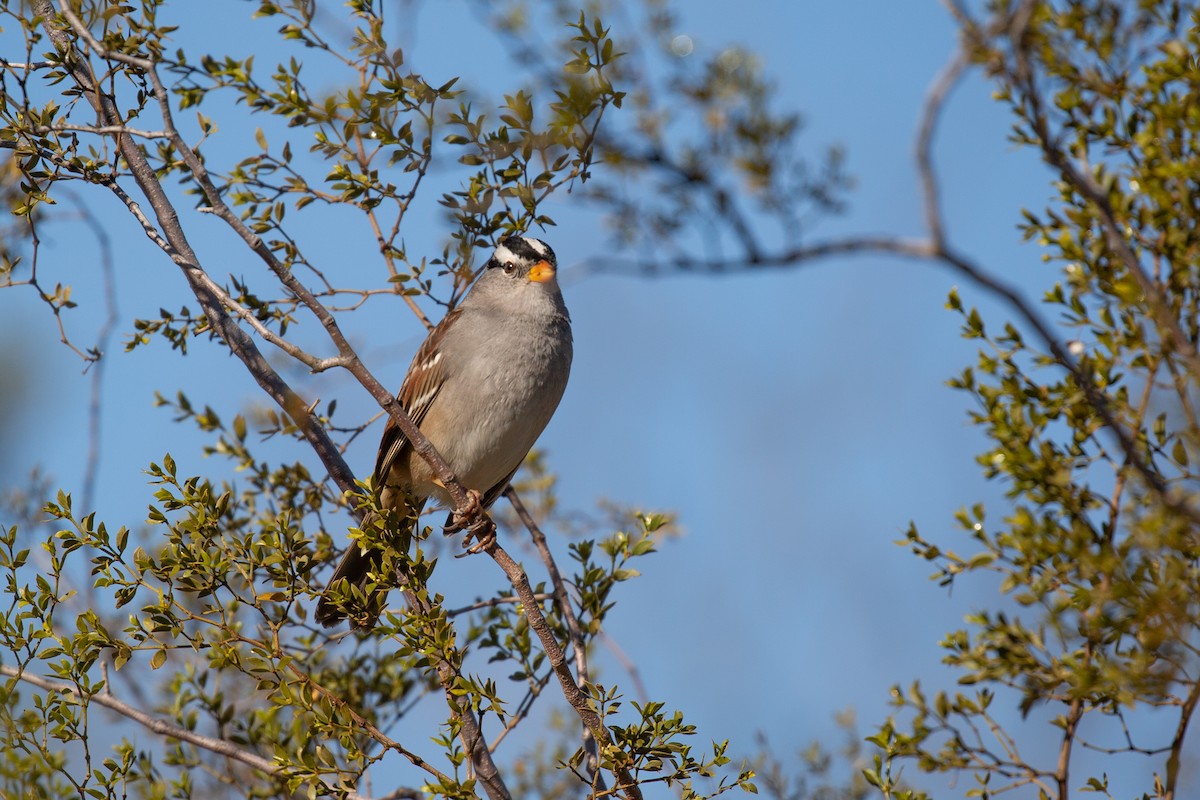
(482,388)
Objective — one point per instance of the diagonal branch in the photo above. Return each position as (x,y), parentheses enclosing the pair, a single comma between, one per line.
(175,243)
(578,698)
(158,726)
(1025,78)
(935,247)
(578,645)
(161,727)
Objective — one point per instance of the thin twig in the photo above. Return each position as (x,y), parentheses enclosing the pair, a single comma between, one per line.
(493,602)
(158,726)
(535,690)
(26,66)
(174,242)
(241,344)
(639,686)
(112,130)
(95,402)
(563,600)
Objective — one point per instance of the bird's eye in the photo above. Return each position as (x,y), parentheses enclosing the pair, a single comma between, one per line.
(509,267)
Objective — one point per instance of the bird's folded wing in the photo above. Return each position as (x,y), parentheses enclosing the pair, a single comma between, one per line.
(421,385)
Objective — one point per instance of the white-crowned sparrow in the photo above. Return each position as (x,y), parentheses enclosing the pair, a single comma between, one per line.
(481,387)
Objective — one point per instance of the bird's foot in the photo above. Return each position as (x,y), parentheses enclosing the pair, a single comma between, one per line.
(477,525)
(461,520)
(484,534)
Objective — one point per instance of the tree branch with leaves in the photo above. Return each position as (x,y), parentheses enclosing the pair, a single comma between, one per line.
(226,592)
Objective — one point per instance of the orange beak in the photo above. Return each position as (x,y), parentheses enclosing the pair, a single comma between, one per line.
(541,272)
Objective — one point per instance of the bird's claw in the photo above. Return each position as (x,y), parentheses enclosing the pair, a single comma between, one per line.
(485,536)
(475,523)
(461,520)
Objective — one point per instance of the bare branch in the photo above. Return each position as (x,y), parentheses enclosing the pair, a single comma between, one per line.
(630,666)
(112,130)
(931,113)
(852,245)
(558,662)
(493,602)
(1062,772)
(95,402)
(523,709)
(25,66)
(578,646)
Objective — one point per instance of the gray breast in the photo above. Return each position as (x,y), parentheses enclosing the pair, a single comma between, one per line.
(508,387)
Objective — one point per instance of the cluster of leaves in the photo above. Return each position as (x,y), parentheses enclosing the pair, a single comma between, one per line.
(381,133)
(196,628)
(1098,553)
(217,597)
(705,168)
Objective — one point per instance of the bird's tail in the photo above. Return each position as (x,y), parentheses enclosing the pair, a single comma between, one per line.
(358,589)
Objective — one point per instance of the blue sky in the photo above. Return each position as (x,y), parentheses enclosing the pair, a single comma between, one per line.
(795,421)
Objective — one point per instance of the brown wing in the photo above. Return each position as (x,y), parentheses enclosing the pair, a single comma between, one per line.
(421,385)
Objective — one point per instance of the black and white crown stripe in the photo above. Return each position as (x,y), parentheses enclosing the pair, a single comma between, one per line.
(524,249)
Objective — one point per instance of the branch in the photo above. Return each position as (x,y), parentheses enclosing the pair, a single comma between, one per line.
(158,726)
(851,245)
(931,113)
(95,403)
(578,646)
(1062,771)
(1173,761)
(537,686)
(558,662)
(630,666)
(935,247)
(56,301)
(493,602)
(25,66)
(174,241)
(115,130)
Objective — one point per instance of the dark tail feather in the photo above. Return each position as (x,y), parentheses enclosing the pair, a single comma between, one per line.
(354,568)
